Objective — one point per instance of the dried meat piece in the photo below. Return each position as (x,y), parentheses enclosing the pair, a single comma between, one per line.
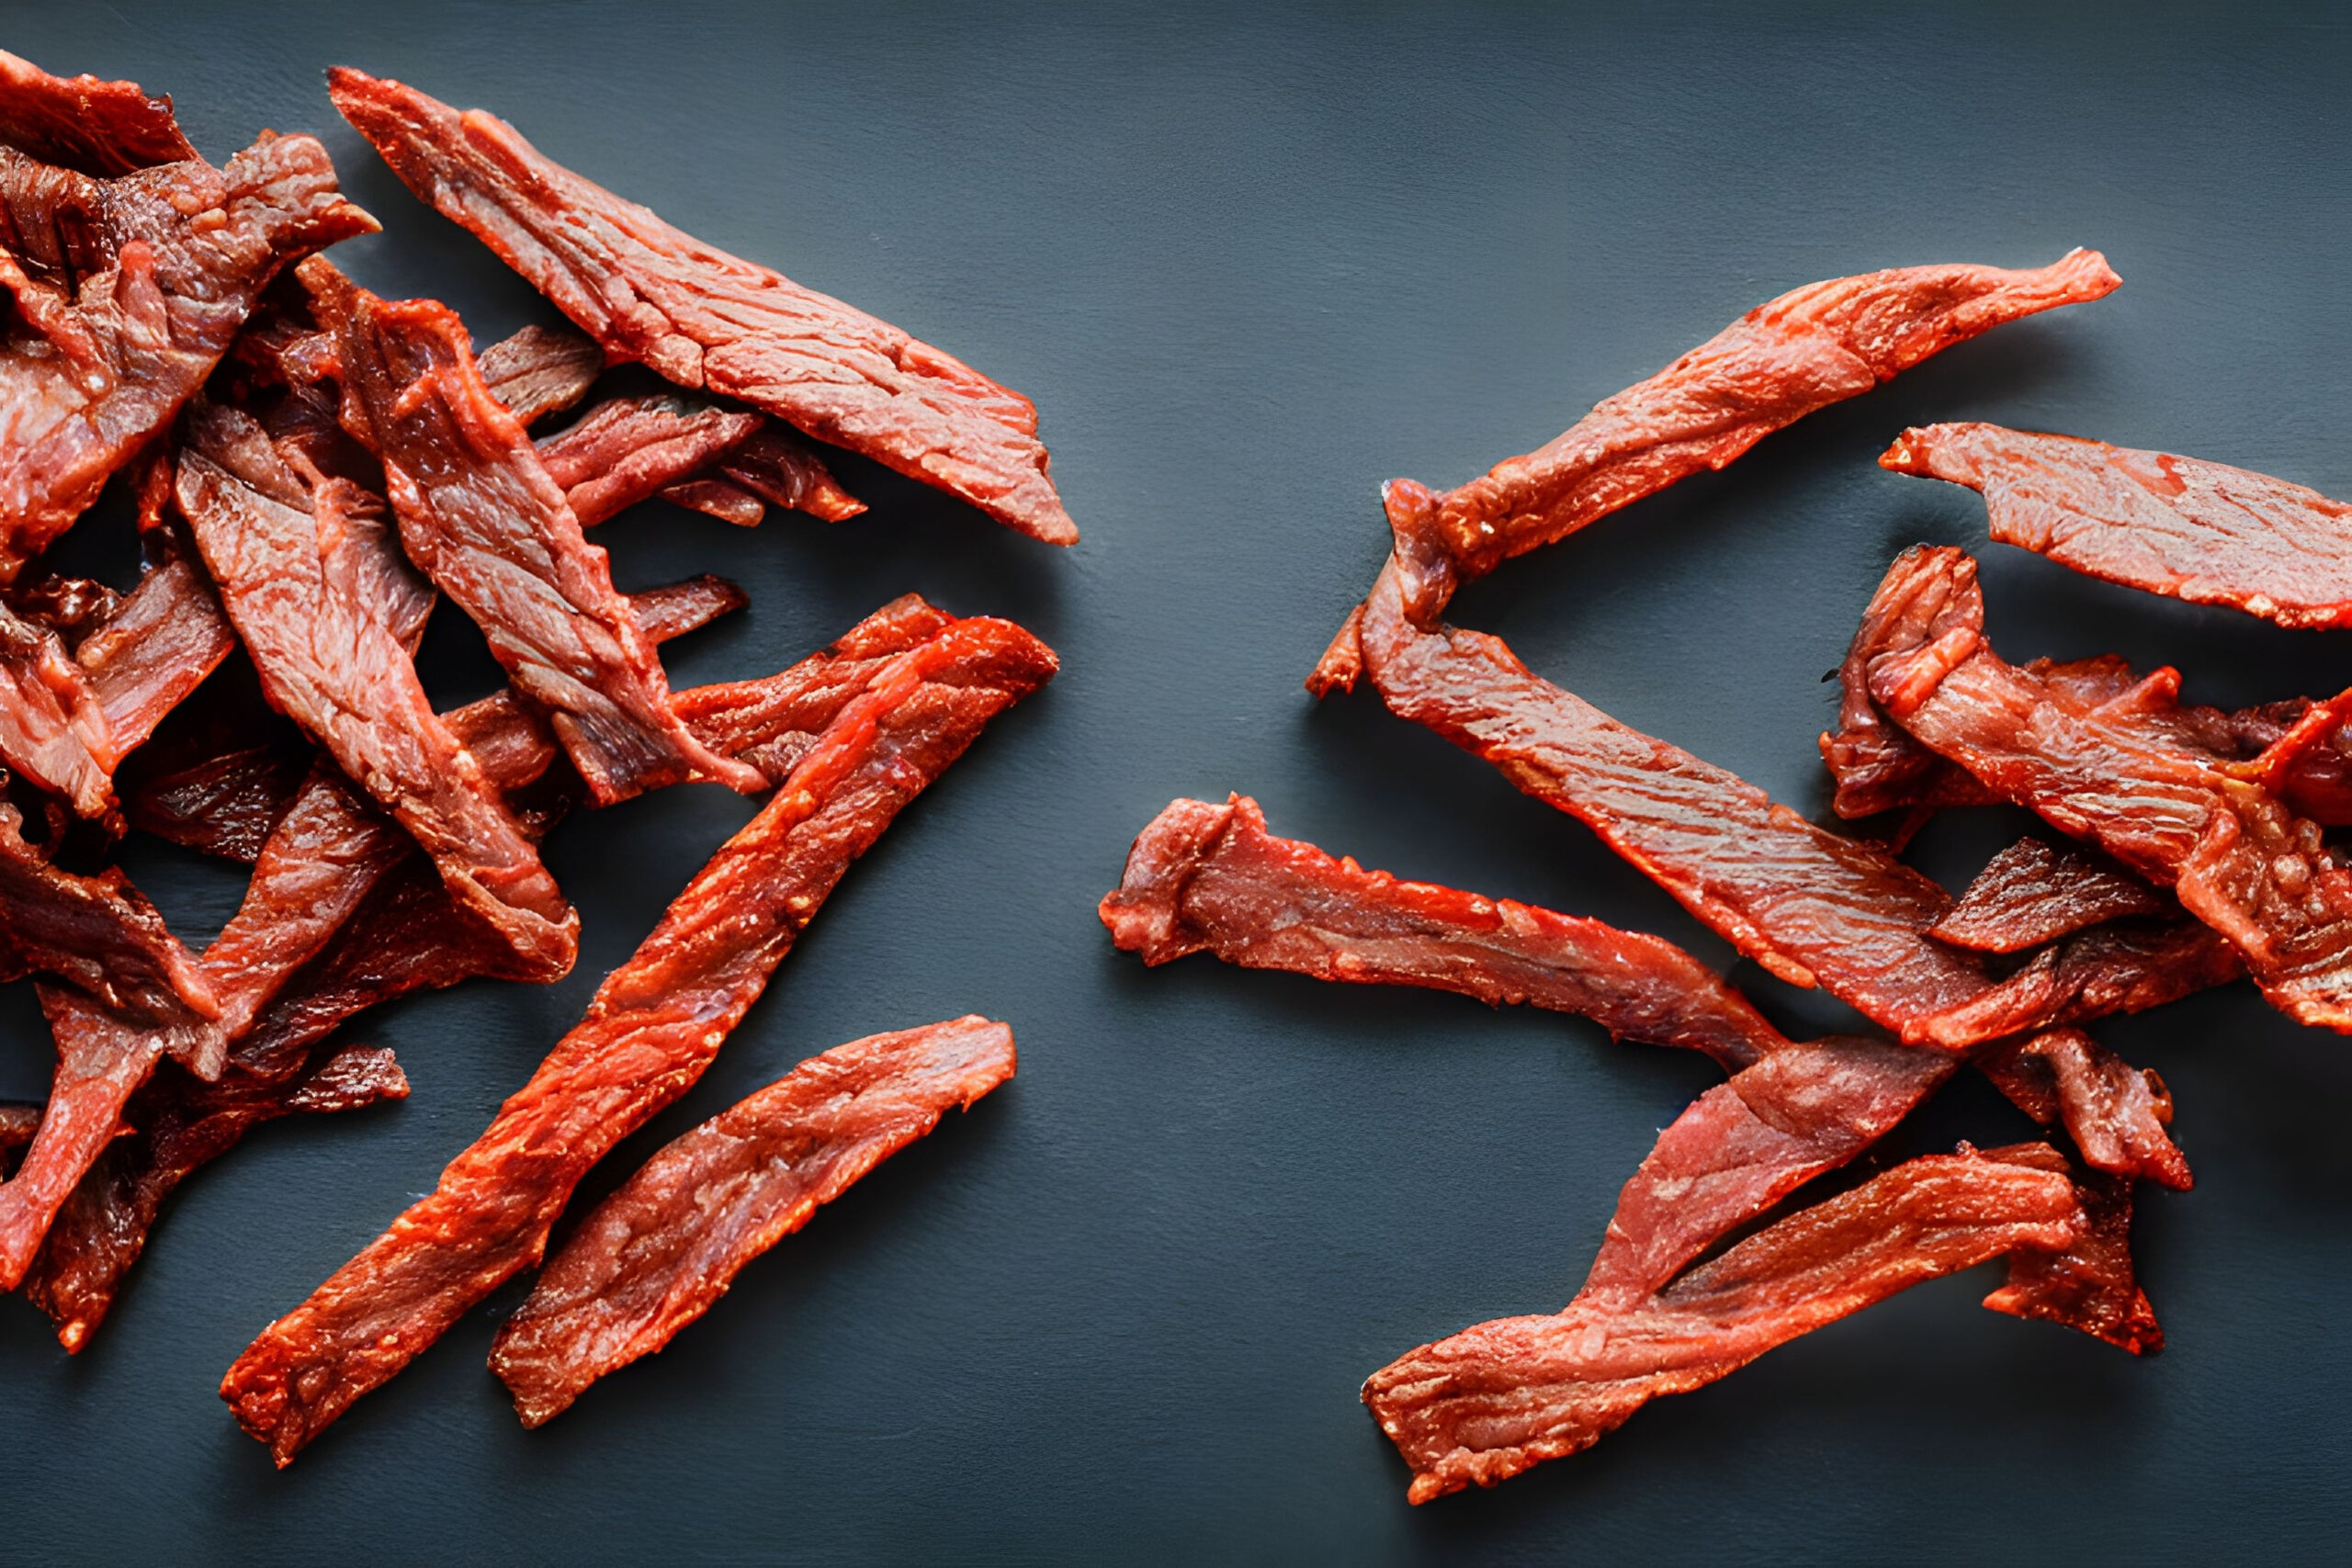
(219,772)
(96,931)
(710,322)
(310,581)
(2179,526)
(660,1251)
(1500,1397)
(624,449)
(52,732)
(653,1027)
(717,498)
(479,514)
(2088,1285)
(541,370)
(780,468)
(81,123)
(2127,966)
(676,608)
(2115,1114)
(2032,894)
(1204,877)
(149,656)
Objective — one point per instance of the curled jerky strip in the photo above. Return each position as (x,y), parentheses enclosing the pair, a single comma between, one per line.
(653,1027)
(661,1250)
(2032,893)
(626,449)
(83,124)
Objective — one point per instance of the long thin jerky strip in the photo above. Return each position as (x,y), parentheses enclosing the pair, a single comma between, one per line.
(653,1027)
(710,321)
(81,123)
(167,635)
(2089,1285)
(627,448)
(661,1250)
(96,931)
(52,730)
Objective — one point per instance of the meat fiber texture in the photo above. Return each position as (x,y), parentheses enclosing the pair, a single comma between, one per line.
(711,321)
(661,1250)
(81,123)
(688,449)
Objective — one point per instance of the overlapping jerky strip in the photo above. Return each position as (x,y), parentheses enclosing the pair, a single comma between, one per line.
(1203,876)
(628,448)
(2115,1114)
(1500,1397)
(2126,776)
(539,371)
(147,656)
(81,123)
(220,770)
(711,321)
(307,575)
(1809,348)
(659,1252)
(479,514)
(2179,526)
(653,1027)
(96,931)
(182,1125)
(2089,1285)
(127,292)
(52,732)
(2032,894)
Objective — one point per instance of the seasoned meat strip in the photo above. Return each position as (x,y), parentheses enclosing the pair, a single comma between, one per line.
(52,730)
(2032,894)
(83,124)
(540,371)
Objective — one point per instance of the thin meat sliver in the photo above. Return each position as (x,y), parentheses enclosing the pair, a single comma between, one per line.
(539,371)
(2031,894)
(87,125)
(711,321)
(660,1251)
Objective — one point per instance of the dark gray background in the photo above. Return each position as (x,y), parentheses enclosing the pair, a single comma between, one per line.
(1248,267)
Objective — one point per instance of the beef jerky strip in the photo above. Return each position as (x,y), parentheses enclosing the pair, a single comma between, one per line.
(304,568)
(182,1126)
(81,123)
(2033,893)
(1211,878)
(541,370)
(710,322)
(52,730)
(653,1027)
(2115,1114)
(135,286)
(661,1250)
(2188,529)
(778,467)
(96,931)
(220,771)
(628,448)
(166,638)
(1809,348)
(1502,1396)
(479,514)
(2089,1285)
(2120,774)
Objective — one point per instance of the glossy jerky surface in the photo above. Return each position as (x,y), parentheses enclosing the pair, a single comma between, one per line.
(2033,893)
(626,449)
(711,321)
(661,1250)
(83,124)
(539,371)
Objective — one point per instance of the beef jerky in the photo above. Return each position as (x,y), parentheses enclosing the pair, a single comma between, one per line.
(306,572)
(96,931)
(1204,877)
(220,770)
(52,730)
(677,608)
(709,321)
(2089,1285)
(653,1027)
(664,1248)
(182,1125)
(2126,966)
(2125,776)
(2179,526)
(2115,1114)
(721,499)
(81,123)
(2032,894)
(778,467)
(624,449)
(168,634)
(541,370)
(479,514)
(1809,348)
(128,290)
(1502,1396)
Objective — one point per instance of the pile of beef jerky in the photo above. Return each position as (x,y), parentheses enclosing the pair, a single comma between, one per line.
(314,468)
(2190,853)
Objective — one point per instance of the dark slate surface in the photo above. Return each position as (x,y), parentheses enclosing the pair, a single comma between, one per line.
(1248,267)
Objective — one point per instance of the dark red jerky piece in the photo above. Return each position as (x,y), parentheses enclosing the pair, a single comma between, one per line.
(132,289)
(2115,1114)
(1204,877)
(2125,967)
(220,770)
(167,635)
(2033,893)
(52,732)
(626,449)
(541,370)
(72,608)
(81,123)
(2089,1285)
(660,1251)
(181,1125)
(778,467)
(655,1024)
(710,322)
(96,931)
(479,514)
(2188,529)
(1500,1397)
(717,498)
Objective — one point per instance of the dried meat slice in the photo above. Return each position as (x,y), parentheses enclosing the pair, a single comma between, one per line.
(2179,526)
(659,1252)
(781,469)
(96,931)
(540,370)
(710,322)
(2126,966)
(52,730)
(626,449)
(149,655)
(2115,1114)
(2088,1285)
(1204,877)
(653,1027)
(1500,1397)
(479,514)
(2033,893)
(220,771)
(306,572)
(81,123)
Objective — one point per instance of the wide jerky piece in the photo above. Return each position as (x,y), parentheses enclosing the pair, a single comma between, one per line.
(711,321)
(83,124)
(2033,893)
(653,1027)
(660,1251)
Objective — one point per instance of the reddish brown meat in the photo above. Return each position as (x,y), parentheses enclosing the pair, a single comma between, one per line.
(160,644)
(540,371)
(479,513)
(2089,1285)
(721,499)
(2187,529)
(52,730)
(127,291)
(653,1027)
(1500,1397)
(81,123)
(1211,878)
(309,577)
(624,449)
(710,322)
(2124,968)
(778,466)
(96,931)
(182,1125)
(2127,775)
(661,1250)
(2115,1114)
(2032,894)
(220,770)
